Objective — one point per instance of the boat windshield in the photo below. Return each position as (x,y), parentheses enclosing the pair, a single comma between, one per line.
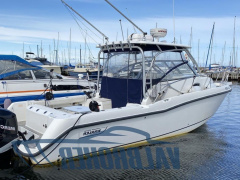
(36,63)
(158,65)
(14,67)
(44,74)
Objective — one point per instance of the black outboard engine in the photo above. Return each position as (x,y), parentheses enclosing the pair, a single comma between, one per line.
(8,132)
(8,127)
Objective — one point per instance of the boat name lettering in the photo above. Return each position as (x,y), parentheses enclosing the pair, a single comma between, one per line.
(7,128)
(93,131)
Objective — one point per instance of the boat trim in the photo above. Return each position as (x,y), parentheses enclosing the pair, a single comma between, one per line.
(124,118)
(147,114)
(38,96)
(12,92)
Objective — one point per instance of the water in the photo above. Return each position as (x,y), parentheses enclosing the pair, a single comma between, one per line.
(210,152)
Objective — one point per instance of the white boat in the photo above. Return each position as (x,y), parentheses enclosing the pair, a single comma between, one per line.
(167,97)
(83,69)
(22,81)
(43,62)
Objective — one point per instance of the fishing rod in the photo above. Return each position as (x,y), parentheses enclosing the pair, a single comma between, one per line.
(85,20)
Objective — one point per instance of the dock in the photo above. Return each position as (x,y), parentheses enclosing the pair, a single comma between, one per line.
(233,75)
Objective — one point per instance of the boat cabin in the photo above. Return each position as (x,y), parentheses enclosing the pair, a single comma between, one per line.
(15,68)
(135,67)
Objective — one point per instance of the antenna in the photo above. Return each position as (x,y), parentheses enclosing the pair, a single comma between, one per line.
(144,33)
(190,43)
(85,20)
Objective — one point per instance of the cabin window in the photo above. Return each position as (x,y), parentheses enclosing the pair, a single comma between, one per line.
(158,65)
(7,66)
(164,65)
(127,65)
(23,75)
(43,74)
(11,70)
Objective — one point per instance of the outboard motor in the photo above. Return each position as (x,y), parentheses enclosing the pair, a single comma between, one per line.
(8,133)
(8,129)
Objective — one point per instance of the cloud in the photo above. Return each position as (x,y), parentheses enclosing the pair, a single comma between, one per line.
(47,30)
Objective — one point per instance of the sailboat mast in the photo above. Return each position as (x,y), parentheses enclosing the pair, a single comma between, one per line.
(69,50)
(54,49)
(174,40)
(211,48)
(198,49)
(37,51)
(23,50)
(64,57)
(210,44)
(56,62)
(234,55)
(50,53)
(80,55)
(41,48)
(223,54)
(75,55)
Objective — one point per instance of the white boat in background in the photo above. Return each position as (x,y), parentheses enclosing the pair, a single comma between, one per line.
(21,81)
(149,91)
(43,62)
(83,69)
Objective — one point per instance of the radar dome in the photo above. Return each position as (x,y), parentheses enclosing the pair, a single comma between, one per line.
(157,33)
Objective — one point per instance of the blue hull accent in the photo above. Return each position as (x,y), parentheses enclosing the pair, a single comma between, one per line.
(36,97)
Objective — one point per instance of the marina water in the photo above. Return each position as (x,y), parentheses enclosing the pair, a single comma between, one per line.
(209,152)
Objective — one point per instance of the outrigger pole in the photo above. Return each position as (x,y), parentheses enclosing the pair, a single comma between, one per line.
(85,20)
(144,33)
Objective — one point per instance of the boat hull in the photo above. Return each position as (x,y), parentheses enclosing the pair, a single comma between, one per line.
(167,118)
(25,90)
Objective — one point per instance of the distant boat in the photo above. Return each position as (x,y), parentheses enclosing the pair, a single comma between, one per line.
(83,69)
(21,81)
(215,66)
(43,62)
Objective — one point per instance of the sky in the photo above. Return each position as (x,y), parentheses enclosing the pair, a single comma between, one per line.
(48,22)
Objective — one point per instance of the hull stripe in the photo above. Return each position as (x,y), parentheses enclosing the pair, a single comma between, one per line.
(12,92)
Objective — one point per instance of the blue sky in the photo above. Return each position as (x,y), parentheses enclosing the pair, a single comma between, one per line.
(33,21)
